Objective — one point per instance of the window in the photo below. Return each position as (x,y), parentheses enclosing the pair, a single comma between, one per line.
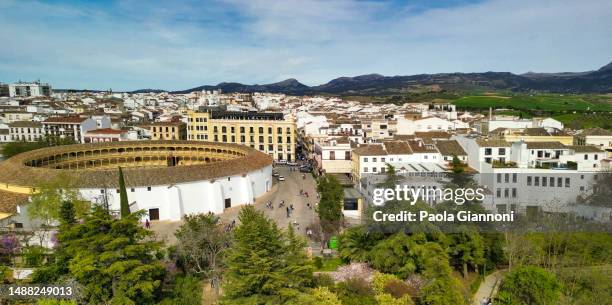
(528,180)
(242,129)
(502,151)
(488,160)
(507,178)
(596,157)
(544,181)
(374,169)
(132,190)
(499,178)
(567,182)
(101,191)
(279,130)
(498,193)
(552,181)
(261,130)
(586,157)
(365,169)
(514,177)
(382,159)
(365,159)
(537,181)
(488,151)
(373,159)
(513,192)
(148,188)
(559,182)
(506,193)
(347,155)
(332,155)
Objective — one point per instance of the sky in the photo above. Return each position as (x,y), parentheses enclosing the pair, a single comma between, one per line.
(135,44)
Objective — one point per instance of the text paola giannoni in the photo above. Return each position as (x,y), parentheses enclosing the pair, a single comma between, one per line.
(413,194)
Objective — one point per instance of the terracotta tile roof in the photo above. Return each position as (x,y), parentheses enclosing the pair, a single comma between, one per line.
(397,147)
(421,147)
(585,148)
(596,132)
(433,134)
(545,145)
(9,201)
(492,143)
(30,124)
(106,131)
(370,150)
(65,119)
(449,148)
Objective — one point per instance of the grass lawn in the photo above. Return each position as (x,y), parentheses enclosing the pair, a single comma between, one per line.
(545,102)
(329,264)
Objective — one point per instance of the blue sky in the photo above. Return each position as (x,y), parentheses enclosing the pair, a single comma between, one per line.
(132,44)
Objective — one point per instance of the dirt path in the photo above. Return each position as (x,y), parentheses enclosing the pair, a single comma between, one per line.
(488,287)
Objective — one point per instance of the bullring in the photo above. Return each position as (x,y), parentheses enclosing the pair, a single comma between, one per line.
(168,179)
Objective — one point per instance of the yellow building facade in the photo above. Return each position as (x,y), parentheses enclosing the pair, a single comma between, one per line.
(168,131)
(269,133)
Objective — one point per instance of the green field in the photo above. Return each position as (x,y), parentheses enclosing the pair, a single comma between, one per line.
(585,120)
(549,103)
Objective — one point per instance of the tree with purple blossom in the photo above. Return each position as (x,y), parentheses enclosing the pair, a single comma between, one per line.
(9,246)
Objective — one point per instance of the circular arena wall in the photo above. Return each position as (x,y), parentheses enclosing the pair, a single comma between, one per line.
(165,178)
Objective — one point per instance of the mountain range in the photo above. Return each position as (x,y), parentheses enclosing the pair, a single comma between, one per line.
(598,81)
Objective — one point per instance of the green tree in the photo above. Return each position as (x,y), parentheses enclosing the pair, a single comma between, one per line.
(113,259)
(529,286)
(45,206)
(187,291)
(330,205)
(262,264)
(356,242)
(466,249)
(125,204)
(67,213)
(298,268)
(202,245)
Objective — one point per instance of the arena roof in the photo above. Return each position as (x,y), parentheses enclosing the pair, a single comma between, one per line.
(32,168)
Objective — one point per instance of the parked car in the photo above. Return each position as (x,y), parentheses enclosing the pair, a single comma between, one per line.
(281,178)
(274,174)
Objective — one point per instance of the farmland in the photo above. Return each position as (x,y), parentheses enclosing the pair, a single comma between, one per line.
(552,103)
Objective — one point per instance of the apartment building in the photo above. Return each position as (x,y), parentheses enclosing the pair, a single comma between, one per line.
(73,127)
(168,130)
(267,132)
(15,116)
(26,131)
(32,89)
(333,156)
(408,158)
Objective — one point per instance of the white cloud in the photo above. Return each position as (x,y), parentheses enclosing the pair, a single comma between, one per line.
(184,44)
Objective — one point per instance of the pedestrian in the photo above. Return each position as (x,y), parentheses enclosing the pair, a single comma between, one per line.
(484,301)
(147,223)
(291,207)
(288,213)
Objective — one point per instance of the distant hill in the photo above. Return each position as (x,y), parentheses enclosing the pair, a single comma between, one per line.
(599,81)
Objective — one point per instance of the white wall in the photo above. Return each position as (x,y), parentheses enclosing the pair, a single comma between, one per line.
(175,201)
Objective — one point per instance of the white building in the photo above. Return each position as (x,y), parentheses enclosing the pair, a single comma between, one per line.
(33,89)
(26,131)
(72,126)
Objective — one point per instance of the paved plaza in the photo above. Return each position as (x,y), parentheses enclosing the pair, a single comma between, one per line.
(287,191)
